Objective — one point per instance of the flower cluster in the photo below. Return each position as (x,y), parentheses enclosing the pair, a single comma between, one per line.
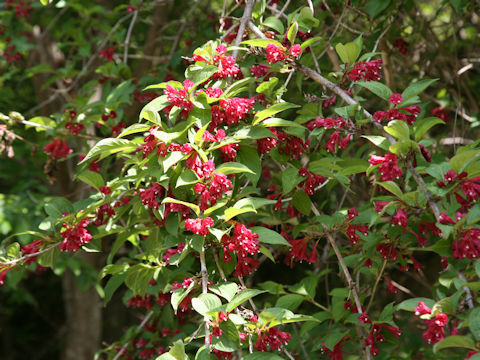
(104,212)
(75,236)
(337,352)
(152,143)
(467,246)
(313,180)
(209,194)
(335,138)
(375,336)
(388,166)
(231,111)
(226,64)
(408,114)
(435,331)
(107,53)
(298,252)
(57,148)
(32,248)
(277,53)
(366,71)
(352,228)
(292,145)
(74,128)
(199,226)
(180,97)
(259,70)
(244,244)
(272,338)
(266,144)
(149,195)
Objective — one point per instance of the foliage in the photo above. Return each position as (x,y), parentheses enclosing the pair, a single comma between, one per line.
(261,201)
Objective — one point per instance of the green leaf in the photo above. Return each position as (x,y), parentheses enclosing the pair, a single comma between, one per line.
(133,129)
(267,87)
(249,156)
(289,301)
(233,168)
(398,129)
(150,111)
(462,159)
(272,110)
(387,313)
(57,206)
(377,88)
(301,201)
(310,41)
(333,338)
(226,290)
(206,303)
(177,352)
(49,258)
(108,147)
(410,304)
(171,159)
(415,89)
(138,277)
(91,178)
(275,24)
(187,177)
(252,132)
(379,141)
(179,295)
(200,74)
(269,236)
(290,179)
(455,341)
(194,207)
(391,187)
(41,120)
(348,53)
(376,7)
(292,33)
(232,212)
(422,126)
(266,252)
(474,322)
(241,297)
(271,122)
(261,43)
(253,202)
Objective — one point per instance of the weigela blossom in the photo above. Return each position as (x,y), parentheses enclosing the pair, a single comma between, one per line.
(388,166)
(104,212)
(32,248)
(74,128)
(467,246)
(395,99)
(264,145)
(57,148)
(275,53)
(180,97)
(271,338)
(298,252)
(236,109)
(226,64)
(149,195)
(75,236)
(244,244)
(313,180)
(259,70)
(199,226)
(400,218)
(366,71)
(293,145)
(353,228)
(295,50)
(408,114)
(117,129)
(107,53)
(445,219)
(441,113)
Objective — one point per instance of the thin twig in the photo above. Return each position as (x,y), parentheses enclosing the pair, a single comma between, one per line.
(139,327)
(204,271)
(220,270)
(382,269)
(183,25)
(247,14)
(13,262)
(468,298)
(302,346)
(129,33)
(280,13)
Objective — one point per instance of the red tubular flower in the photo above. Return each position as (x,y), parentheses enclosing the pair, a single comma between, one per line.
(275,53)
(57,148)
(75,236)
(199,226)
(179,97)
(422,309)
(445,219)
(295,50)
(244,243)
(395,99)
(107,53)
(366,71)
(400,218)
(388,166)
(259,70)
(149,196)
(32,248)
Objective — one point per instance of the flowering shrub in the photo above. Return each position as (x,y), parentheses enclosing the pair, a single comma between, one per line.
(231,169)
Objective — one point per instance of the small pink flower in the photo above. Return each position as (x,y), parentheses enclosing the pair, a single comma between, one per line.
(295,50)
(395,99)
(445,219)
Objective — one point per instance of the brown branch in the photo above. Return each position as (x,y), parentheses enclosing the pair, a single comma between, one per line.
(129,33)
(247,14)
(13,262)
(139,327)
(204,272)
(382,269)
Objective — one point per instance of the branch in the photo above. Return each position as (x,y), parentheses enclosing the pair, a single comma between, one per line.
(247,14)
(139,327)
(129,33)
(204,272)
(13,262)
(382,269)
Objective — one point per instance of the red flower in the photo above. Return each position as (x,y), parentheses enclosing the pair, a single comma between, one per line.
(275,53)
(199,226)
(395,99)
(57,148)
(445,219)
(75,236)
(295,50)
(366,71)
(107,53)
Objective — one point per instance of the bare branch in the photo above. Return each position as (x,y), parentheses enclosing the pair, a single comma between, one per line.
(247,14)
